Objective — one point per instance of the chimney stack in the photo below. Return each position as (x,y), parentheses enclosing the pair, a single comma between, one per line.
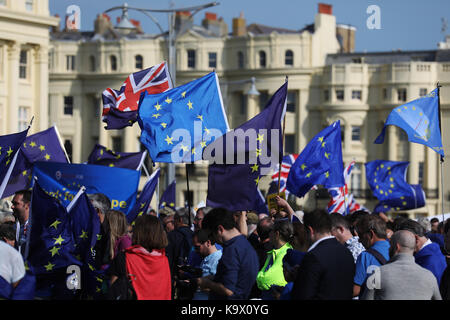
(102,23)
(239,27)
(217,26)
(325,8)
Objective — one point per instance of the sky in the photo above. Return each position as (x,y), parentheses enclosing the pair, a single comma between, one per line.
(403,24)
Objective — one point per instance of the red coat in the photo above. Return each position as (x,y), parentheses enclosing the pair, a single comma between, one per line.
(149,273)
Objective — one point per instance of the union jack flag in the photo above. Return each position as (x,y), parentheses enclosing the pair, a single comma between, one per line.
(154,80)
(286,165)
(341,202)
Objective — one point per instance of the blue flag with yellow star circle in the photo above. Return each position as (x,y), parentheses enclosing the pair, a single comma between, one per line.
(420,120)
(179,123)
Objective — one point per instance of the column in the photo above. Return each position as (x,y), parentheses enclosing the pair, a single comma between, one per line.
(41,87)
(252,106)
(102,134)
(414,156)
(393,141)
(13,87)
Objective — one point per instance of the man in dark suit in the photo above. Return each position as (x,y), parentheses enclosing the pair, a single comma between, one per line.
(328,268)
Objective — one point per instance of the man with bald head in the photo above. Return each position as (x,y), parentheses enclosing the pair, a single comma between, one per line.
(402,278)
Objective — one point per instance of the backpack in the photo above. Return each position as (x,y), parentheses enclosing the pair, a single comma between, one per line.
(380,258)
(122,289)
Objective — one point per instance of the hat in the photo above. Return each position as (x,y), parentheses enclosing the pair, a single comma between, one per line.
(292,258)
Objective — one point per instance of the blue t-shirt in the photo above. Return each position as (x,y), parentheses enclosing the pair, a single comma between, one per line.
(365,259)
(237,269)
(209,263)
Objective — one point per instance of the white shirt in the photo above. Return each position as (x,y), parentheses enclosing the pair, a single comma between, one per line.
(319,241)
(12,268)
(426,243)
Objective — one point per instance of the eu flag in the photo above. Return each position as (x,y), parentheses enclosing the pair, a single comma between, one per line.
(143,202)
(41,146)
(63,181)
(420,120)
(101,155)
(51,243)
(387,179)
(179,123)
(9,146)
(320,162)
(241,157)
(168,197)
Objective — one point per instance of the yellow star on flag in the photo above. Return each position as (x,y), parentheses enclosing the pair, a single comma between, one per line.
(184,148)
(24,172)
(168,100)
(327,174)
(260,137)
(47,156)
(32,144)
(84,234)
(254,167)
(258,152)
(111,165)
(49,266)
(200,117)
(157,106)
(58,240)
(55,224)
(54,251)
(156,115)
(169,140)
(327,155)
(183,94)
(9,151)
(257,181)
(190,105)
(308,174)
(41,147)
(320,139)
(193,150)
(203,144)
(323,144)
(303,166)
(163,124)
(206,130)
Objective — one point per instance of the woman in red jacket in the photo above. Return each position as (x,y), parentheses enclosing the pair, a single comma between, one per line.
(145,263)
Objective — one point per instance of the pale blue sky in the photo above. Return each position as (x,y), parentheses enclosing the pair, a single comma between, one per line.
(405,24)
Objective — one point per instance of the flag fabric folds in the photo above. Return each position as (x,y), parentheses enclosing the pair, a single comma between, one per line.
(101,155)
(420,120)
(286,164)
(320,163)
(41,146)
(143,202)
(153,80)
(178,124)
(387,180)
(168,197)
(248,153)
(63,180)
(51,242)
(9,146)
(260,203)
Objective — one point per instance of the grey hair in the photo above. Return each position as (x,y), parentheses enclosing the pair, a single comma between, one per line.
(6,216)
(425,223)
(100,201)
(183,215)
(405,239)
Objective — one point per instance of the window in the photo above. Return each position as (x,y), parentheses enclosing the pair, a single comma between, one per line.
(23,118)
(68,147)
(139,62)
(117,144)
(356,94)
(356,180)
(23,64)
(356,133)
(289,143)
(212,60)
(289,58)
(29,5)
(385,94)
(401,94)
(191,59)
(402,136)
(342,134)
(113,62)
(326,95)
(421,172)
(423,92)
(262,59)
(357,60)
(70,63)
(291,101)
(263,99)
(92,63)
(68,105)
(240,59)
(340,95)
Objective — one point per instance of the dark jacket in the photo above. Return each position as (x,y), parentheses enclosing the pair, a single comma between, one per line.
(179,247)
(326,273)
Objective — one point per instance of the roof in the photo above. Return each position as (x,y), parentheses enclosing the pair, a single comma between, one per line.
(385,57)
(256,28)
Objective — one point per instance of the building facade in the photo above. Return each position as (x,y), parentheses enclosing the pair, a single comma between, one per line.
(327,81)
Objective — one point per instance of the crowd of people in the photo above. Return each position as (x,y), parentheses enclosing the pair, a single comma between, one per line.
(215,254)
